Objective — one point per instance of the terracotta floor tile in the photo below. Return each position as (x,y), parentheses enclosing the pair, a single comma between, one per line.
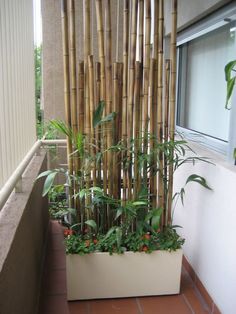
(78,307)
(56,260)
(55,227)
(56,282)
(114,306)
(164,305)
(189,268)
(54,305)
(55,242)
(204,293)
(196,301)
(186,281)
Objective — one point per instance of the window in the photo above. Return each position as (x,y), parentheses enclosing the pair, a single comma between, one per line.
(203,52)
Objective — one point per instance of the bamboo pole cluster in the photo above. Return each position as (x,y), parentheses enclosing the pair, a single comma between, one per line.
(139,87)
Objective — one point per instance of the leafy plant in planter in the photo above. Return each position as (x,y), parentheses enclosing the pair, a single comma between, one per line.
(121,158)
(134,225)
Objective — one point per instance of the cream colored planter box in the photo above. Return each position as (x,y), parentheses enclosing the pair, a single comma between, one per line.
(99,275)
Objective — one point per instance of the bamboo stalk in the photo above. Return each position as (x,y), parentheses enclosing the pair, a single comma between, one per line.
(166,133)
(125,88)
(115,129)
(156,22)
(98,128)
(108,49)
(64,18)
(160,103)
(87,126)
(101,50)
(81,124)
(146,82)
(172,99)
(140,29)
(87,52)
(91,100)
(131,88)
(81,97)
(167,95)
(138,74)
(152,180)
(73,83)
(119,123)
(100,32)
(117,30)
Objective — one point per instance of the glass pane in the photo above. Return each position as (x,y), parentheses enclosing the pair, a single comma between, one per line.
(202,89)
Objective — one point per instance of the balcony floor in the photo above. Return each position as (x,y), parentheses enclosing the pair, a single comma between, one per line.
(53,295)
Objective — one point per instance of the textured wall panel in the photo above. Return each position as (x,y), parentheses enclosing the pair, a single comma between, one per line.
(17,108)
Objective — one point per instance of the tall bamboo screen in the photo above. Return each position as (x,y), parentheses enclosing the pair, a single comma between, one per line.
(140,89)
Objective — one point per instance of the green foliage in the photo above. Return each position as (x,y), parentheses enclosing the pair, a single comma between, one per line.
(97,117)
(116,242)
(38,85)
(230,80)
(104,223)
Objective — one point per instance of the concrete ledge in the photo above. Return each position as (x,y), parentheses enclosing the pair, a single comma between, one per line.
(23,231)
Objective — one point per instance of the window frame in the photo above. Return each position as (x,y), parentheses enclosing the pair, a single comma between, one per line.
(221,17)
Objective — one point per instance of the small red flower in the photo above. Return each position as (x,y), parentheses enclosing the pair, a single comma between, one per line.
(144,248)
(95,241)
(147,236)
(68,232)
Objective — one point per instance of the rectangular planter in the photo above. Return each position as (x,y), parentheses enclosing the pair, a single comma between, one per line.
(99,275)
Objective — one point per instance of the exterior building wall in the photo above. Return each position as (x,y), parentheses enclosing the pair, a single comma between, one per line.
(53,90)
(17,105)
(23,233)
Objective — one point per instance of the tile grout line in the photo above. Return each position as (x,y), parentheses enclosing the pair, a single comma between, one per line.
(139,306)
(187,303)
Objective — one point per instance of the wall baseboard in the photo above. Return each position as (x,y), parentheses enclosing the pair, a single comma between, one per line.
(208,299)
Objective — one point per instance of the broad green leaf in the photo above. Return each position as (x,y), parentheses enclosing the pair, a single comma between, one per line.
(139,203)
(72,211)
(48,183)
(82,193)
(92,224)
(80,143)
(156,216)
(119,213)
(228,69)
(97,117)
(118,236)
(230,87)
(75,225)
(62,127)
(96,189)
(182,193)
(198,179)
(45,173)
(108,118)
(234,154)
(109,232)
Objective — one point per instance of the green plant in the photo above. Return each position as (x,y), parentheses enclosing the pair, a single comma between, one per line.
(230,80)
(116,224)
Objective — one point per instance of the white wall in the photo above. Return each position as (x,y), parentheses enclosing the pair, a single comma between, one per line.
(208,219)
(17,106)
